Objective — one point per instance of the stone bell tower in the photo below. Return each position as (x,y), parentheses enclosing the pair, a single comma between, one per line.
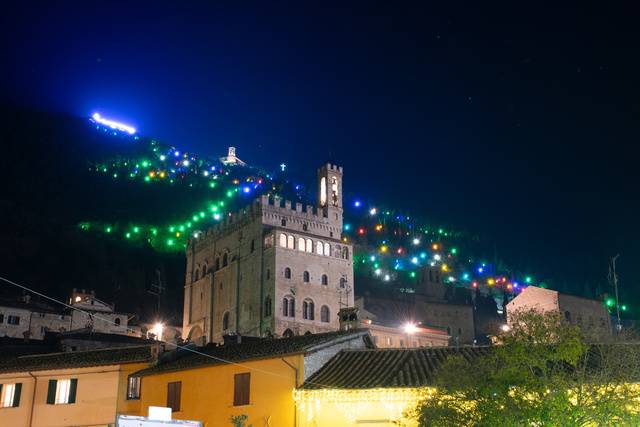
(330,193)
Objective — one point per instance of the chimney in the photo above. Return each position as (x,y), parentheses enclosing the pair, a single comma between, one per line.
(348,318)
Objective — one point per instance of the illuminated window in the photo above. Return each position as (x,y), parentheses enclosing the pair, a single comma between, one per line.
(325,279)
(324,314)
(301,244)
(309,245)
(323,191)
(334,191)
(133,388)
(283,240)
(290,242)
(327,249)
(305,277)
(319,248)
(62,392)
(10,395)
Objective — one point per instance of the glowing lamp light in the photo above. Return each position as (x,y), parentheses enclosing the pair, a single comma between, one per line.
(113,124)
(246,190)
(163,157)
(377,272)
(474,285)
(624,307)
(435,246)
(528,279)
(384,248)
(373,211)
(216,216)
(505,328)
(414,260)
(480,270)
(423,255)
(361,231)
(387,278)
(437,257)
(491,282)
(78,298)
(372,258)
(157,330)
(357,203)
(609,302)
(465,276)
(410,328)
(347,227)
(416,241)
(378,227)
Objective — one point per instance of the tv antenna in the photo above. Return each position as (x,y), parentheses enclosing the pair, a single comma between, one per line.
(613,280)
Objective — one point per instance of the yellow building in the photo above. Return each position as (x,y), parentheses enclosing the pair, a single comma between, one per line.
(258,382)
(372,387)
(83,388)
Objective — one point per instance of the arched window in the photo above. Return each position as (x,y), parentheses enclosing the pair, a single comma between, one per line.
(343,283)
(253,245)
(308,310)
(225,321)
(117,321)
(288,306)
(288,333)
(267,306)
(283,222)
(300,244)
(324,314)
(305,277)
(283,240)
(197,275)
(217,264)
(345,253)
(327,249)
(204,270)
(309,245)
(325,279)
(319,248)
(290,242)
(225,260)
(287,273)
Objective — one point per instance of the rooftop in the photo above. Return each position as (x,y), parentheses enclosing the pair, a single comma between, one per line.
(385,368)
(255,349)
(76,359)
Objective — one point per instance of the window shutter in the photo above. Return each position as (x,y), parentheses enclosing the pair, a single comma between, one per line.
(51,392)
(241,389)
(72,390)
(16,395)
(173,395)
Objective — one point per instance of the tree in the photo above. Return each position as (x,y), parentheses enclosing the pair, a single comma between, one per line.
(543,373)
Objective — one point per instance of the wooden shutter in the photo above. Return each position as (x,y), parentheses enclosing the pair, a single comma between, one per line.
(73,389)
(242,383)
(16,395)
(51,392)
(174,390)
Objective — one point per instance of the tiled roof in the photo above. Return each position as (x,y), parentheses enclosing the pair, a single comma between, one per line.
(76,359)
(86,335)
(380,368)
(254,349)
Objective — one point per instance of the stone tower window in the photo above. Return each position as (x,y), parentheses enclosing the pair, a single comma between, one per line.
(283,240)
(225,260)
(267,306)
(324,314)
(204,270)
(253,245)
(283,222)
(305,277)
(301,244)
(287,273)
(319,248)
(117,321)
(345,253)
(327,249)
(334,192)
(305,227)
(290,242)
(225,321)
(217,263)
(343,283)
(197,275)
(288,306)
(308,309)
(325,280)
(323,191)
(309,246)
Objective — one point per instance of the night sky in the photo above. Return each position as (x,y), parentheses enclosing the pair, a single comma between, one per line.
(515,123)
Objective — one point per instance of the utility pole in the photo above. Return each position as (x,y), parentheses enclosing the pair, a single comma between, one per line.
(613,278)
(157,289)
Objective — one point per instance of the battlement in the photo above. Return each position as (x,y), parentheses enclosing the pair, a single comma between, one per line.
(332,167)
(287,207)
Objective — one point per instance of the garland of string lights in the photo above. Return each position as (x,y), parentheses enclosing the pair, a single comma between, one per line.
(389,246)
